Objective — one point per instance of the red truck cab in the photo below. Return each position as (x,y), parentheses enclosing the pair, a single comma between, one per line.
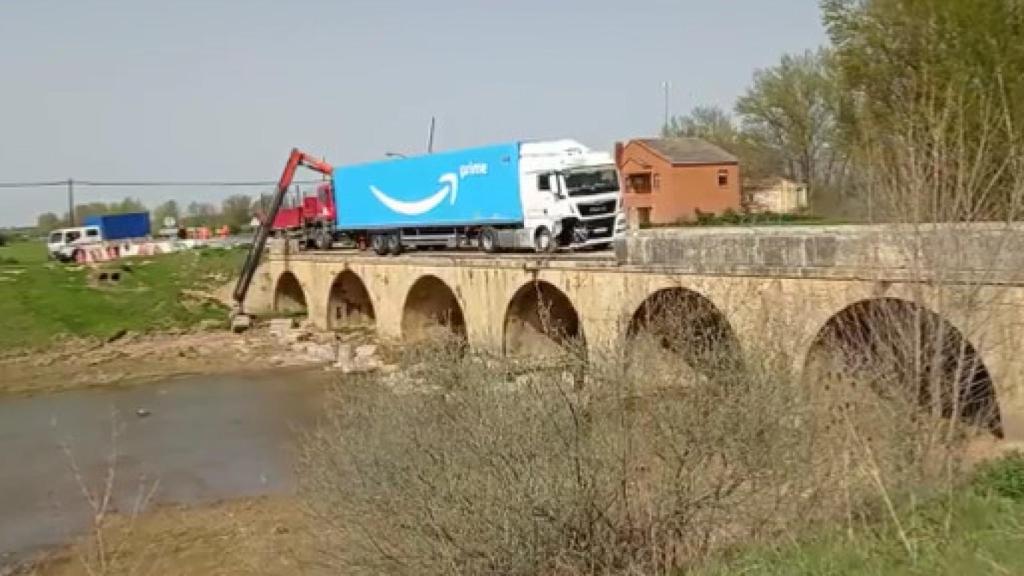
(313,219)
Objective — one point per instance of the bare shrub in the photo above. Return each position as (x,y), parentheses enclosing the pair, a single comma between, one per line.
(100,554)
(639,464)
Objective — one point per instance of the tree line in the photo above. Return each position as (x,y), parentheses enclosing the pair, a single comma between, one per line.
(914,110)
(235,212)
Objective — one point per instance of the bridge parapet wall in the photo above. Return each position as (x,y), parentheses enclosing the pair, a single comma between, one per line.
(978,253)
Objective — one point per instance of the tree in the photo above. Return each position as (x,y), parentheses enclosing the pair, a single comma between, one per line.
(48,221)
(939,82)
(708,122)
(717,126)
(83,211)
(127,205)
(168,209)
(793,108)
(236,210)
(200,214)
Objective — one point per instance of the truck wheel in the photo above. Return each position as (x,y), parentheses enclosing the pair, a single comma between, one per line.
(379,244)
(489,240)
(324,240)
(394,244)
(543,241)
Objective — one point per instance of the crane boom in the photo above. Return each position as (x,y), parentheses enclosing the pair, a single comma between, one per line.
(295,159)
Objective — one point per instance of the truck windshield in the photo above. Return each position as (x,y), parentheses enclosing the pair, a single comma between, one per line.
(56,237)
(591,181)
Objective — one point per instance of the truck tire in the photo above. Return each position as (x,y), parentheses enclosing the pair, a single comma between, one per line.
(394,244)
(489,240)
(379,244)
(324,240)
(543,241)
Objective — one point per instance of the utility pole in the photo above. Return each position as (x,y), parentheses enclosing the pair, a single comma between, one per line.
(430,136)
(71,203)
(666,85)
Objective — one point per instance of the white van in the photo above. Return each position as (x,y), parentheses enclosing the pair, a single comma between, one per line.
(62,242)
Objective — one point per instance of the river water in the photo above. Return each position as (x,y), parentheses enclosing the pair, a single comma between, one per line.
(202,438)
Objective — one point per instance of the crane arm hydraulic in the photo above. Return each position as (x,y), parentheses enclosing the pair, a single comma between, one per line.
(296,159)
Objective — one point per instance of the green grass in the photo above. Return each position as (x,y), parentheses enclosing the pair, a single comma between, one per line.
(985,535)
(40,299)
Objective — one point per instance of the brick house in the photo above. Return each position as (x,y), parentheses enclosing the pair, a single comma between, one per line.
(667,180)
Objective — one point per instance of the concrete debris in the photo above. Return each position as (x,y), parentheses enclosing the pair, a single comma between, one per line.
(344,353)
(319,352)
(366,351)
(240,323)
(364,360)
(295,336)
(280,326)
(142,412)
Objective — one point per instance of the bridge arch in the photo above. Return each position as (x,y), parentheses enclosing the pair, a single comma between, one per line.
(289,295)
(432,311)
(686,325)
(349,303)
(888,341)
(540,320)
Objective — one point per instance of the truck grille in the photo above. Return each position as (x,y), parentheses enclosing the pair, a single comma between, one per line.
(597,208)
(600,228)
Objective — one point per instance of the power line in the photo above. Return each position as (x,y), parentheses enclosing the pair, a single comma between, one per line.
(33,184)
(185,183)
(153,183)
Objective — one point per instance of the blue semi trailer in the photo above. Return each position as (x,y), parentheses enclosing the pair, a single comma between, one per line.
(523,195)
(120,226)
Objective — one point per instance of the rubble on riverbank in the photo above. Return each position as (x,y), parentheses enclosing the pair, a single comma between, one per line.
(128,357)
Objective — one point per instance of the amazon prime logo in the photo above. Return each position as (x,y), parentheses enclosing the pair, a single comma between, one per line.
(449,182)
(476,169)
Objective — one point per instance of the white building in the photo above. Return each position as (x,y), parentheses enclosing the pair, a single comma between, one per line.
(776,195)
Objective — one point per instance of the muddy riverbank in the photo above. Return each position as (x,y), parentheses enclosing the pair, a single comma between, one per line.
(132,358)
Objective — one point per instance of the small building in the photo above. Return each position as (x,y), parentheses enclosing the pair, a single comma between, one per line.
(669,180)
(777,195)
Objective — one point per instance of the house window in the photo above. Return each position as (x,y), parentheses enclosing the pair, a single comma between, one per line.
(656,181)
(723,177)
(639,183)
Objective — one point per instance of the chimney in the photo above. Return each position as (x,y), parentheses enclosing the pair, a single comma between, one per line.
(618,153)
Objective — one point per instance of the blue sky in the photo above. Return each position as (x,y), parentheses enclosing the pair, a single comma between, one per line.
(222,90)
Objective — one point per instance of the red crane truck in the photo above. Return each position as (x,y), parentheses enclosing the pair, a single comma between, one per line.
(312,220)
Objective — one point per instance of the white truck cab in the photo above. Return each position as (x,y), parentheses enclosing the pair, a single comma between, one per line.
(570,195)
(61,243)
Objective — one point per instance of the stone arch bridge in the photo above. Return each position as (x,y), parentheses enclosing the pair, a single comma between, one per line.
(784,287)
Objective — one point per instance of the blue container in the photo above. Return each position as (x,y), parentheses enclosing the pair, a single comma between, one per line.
(461,188)
(121,226)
